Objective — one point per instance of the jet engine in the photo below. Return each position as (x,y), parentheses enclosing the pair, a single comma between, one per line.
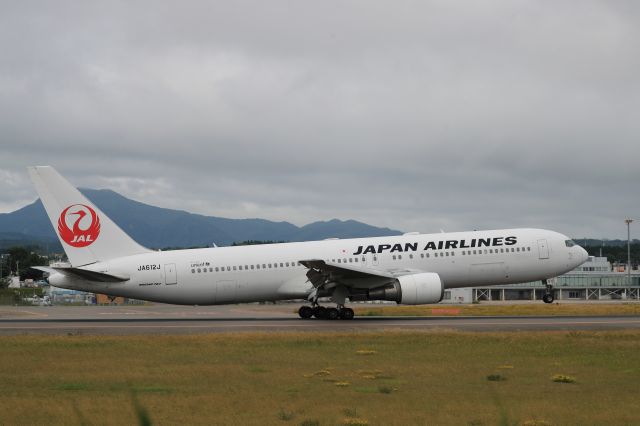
(415,289)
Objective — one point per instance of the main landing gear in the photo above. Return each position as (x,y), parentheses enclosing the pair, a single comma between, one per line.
(321,312)
(548,292)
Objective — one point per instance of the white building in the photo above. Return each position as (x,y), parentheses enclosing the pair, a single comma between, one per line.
(593,280)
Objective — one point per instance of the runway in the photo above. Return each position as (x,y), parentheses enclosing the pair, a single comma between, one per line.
(167,319)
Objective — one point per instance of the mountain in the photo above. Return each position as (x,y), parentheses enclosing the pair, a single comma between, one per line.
(15,239)
(156,227)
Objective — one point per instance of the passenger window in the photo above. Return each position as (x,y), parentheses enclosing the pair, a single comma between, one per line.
(264,266)
(375,258)
(199,270)
(356,260)
(435,254)
(410,256)
(281,265)
(399,256)
(251,266)
(453,253)
(350,260)
(394,257)
(234,268)
(427,255)
(447,253)
(193,271)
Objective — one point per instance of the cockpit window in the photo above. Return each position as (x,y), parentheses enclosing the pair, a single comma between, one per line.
(570,243)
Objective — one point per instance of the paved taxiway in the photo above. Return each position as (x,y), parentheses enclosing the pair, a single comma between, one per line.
(168,319)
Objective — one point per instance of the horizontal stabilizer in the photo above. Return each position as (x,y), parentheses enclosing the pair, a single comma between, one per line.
(84,274)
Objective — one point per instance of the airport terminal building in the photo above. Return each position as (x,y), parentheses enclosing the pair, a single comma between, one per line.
(596,279)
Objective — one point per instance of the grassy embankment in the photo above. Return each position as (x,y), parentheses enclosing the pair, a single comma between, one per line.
(14,296)
(533,309)
(396,378)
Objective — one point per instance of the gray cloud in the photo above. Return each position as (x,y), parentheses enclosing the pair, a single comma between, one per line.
(414,115)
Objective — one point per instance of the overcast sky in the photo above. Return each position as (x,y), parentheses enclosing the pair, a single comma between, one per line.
(416,115)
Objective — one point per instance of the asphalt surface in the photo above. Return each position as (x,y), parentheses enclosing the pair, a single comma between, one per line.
(168,319)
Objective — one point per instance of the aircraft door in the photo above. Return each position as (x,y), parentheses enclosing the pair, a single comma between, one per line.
(170,274)
(370,259)
(543,249)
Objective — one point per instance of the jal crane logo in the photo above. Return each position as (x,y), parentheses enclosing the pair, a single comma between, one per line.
(79,225)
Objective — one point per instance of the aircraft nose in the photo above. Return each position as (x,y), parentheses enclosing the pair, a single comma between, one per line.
(583,255)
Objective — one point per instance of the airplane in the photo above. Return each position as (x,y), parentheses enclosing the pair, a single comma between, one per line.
(410,269)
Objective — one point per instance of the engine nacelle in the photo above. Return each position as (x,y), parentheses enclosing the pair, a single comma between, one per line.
(415,289)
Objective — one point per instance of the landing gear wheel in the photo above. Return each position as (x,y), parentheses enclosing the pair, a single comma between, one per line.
(320,312)
(548,292)
(331,313)
(305,312)
(346,314)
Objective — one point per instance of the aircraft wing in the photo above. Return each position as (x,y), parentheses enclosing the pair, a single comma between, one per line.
(321,272)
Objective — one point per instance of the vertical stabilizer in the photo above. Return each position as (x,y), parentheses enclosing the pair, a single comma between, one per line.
(86,233)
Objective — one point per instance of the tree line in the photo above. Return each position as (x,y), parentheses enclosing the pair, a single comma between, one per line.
(19,260)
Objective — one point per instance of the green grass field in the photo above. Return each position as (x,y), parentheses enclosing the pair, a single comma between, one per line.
(506,309)
(395,378)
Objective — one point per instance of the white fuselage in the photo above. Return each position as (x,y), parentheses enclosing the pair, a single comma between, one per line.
(224,275)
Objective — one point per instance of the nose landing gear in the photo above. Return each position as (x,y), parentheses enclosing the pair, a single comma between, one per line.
(548,292)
